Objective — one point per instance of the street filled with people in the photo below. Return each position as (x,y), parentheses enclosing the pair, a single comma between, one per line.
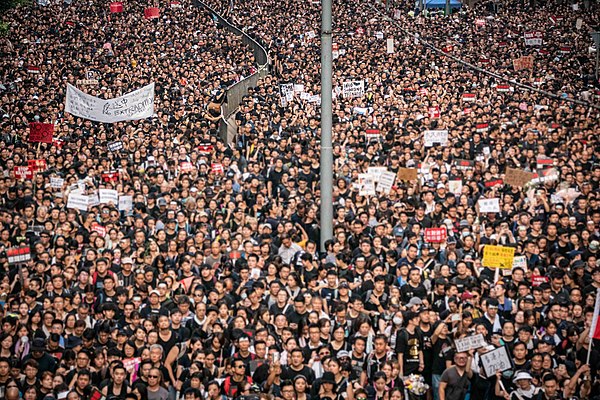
(149,259)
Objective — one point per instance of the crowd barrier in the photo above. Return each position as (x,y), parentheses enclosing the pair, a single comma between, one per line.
(235,92)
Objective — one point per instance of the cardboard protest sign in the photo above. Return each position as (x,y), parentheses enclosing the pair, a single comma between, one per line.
(482,127)
(18,255)
(534,38)
(116,7)
(407,174)
(205,148)
(432,137)
(151,13)
(496,360)
(435,235)
(138,104)
(386,182)
(23,172)
(470,343)
(489,205)
(517,177)
(353,89)
(498,256)
(40,133)
(32,69)
(480,22)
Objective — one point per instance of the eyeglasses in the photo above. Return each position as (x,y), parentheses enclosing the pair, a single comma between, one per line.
(153,376)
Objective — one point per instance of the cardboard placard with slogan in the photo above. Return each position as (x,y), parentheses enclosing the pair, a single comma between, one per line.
(408,174)
(498,256)
(353,89)
(516,177)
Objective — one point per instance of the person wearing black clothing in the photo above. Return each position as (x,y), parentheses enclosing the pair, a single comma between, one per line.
(297,367)
(414,287)
(409,346)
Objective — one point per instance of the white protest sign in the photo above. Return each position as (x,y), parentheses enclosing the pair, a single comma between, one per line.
(436,136)
(352,89)
(304,96)
(138,104)
(125,203)
(455,187)
(495,360)
(386,181)
(390,45)
(470,342)
(56,183)
(489,205)
(298,88)
(579,23)
(520,262)
(109,196)
(315,99)
(367,185)
(77,201)
(93,200)
(287,91)
(534,38)
(376,172)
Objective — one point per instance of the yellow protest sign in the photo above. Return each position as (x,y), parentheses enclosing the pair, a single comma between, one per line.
(498,256)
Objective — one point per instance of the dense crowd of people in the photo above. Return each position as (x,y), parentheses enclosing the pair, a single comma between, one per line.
(214,286)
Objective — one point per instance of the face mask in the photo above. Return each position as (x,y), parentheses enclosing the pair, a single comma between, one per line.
(397,321)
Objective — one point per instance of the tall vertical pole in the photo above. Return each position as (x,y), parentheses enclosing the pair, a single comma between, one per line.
(326,124)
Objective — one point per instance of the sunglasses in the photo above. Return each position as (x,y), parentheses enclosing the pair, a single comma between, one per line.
(153,376)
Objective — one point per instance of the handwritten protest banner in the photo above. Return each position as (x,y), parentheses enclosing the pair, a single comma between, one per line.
(517,177)
(498,256)
(489,205)
(495,360)
(470,343)
(40,133)
(435,136)
(407,174)
(138,104)
(353,89)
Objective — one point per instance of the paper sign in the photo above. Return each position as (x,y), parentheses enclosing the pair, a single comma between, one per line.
(23,172)
(390,45)
(498,256)
(489,205)
(375,172)
(99,229)
(78,201)
(455,187)
(151,13)
(520,262)
(287,91)
(470,343)
(115,146)
(468,97)
(56,183)
(495,360)
(386,181)
(217,168)
(517,177)
(435,137)
(138,104)
(545,175)
(116,7)
(372,134)
(298,88)
(125,203)
(435,235)
(186,167)
(108,196)
(40,133)
(353,89)
(534,38)
(366,185)
(407,174)
(18,255)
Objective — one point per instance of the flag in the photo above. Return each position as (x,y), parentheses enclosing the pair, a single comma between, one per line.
(595,329)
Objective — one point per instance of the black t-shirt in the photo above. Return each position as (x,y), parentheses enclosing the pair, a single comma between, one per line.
(409,344)
(408,292)
(442,351)
(289,373)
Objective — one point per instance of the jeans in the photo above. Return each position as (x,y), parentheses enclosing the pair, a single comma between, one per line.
(436,385)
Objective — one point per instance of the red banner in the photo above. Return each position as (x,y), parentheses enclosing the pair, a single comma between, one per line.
(41,133)
(23,172)
(537,280)
(151,12)
(435,235)
(116,7)
(217,168)
(112,176)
